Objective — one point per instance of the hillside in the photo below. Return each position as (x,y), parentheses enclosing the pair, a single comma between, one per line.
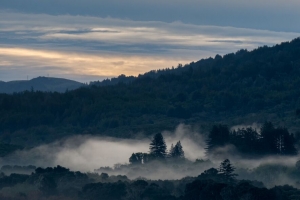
(238,88)
(44,84)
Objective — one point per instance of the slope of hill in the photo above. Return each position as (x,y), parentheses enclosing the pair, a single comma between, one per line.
(44,84)
(238,88)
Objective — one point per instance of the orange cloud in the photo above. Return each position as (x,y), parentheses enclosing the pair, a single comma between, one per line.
(84,63)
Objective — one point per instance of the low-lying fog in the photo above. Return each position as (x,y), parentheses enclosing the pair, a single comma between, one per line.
(86,153)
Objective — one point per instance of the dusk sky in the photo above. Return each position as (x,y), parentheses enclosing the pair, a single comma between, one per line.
(91,40)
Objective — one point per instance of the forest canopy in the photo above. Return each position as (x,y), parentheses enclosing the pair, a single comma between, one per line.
(268,141)
(242,87)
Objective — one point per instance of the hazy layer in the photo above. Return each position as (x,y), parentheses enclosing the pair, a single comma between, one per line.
(86,153)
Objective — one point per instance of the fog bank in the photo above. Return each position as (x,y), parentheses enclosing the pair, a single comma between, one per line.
(86,153)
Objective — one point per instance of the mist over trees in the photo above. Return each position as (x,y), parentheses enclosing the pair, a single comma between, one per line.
(176,151)
(222,183)
(158,152)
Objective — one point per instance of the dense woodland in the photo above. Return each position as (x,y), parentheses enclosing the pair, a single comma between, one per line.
(220,183)
(238,88)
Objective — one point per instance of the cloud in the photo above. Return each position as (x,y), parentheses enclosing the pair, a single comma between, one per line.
(270,14)
(106,47)
(74,63)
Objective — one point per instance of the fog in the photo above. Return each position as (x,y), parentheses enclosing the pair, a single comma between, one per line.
(86,153)
(83,153)
(111,155)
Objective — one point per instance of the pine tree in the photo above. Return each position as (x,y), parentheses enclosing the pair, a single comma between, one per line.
(277,140)
(171,151)
(177,151)
(285,142)
(158,147)
(269,141)
(226,169)
(218,136)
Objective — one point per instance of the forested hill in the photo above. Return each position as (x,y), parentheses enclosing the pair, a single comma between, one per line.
(238,88)
(262,61)
(46,84)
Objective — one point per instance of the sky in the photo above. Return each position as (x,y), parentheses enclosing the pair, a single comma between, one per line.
(93,40)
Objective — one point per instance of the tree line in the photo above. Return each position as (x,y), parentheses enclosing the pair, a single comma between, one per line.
(63,184)
(269,140)
(158,151)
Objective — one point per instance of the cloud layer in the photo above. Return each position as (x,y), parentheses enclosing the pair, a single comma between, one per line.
(87,48)
(275,15)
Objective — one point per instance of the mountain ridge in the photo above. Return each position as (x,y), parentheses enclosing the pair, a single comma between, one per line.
(45,84)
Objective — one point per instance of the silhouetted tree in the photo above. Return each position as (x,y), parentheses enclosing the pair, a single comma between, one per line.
(226,169)
(147,157)
(133,159)
(112,191)
(285,142)
(203,189)
(171,151)
(246,140)
(158,147)
(269,139)
(218,136)
(177,151)
(277,140)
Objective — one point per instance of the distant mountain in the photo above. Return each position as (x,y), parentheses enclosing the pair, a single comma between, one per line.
(44,84)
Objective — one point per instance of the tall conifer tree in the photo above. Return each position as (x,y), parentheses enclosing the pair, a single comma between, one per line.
(158,147)
(177,151)
(226,169)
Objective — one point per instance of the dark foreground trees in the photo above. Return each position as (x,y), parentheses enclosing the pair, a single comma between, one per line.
(208,190)
(96,191)
(61,183)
